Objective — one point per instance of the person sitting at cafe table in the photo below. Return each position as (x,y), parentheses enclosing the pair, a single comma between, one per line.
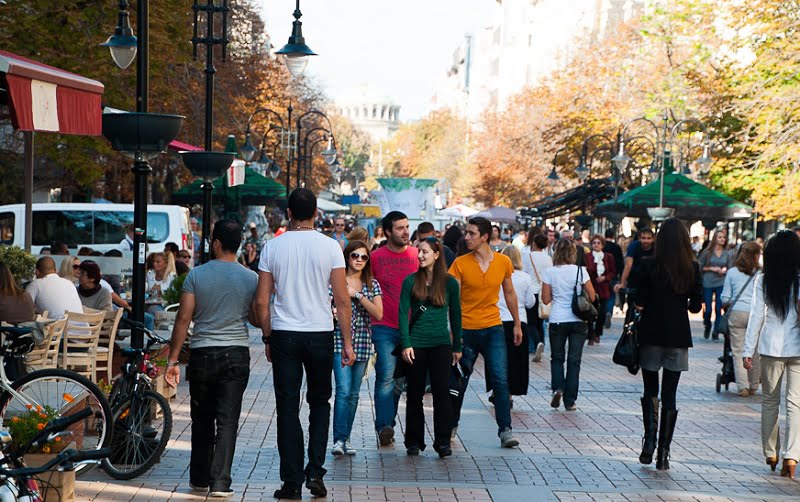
(160,274)
(91,293)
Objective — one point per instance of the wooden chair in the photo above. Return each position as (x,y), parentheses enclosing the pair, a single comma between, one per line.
(45,355)
(81,337)
(105,346)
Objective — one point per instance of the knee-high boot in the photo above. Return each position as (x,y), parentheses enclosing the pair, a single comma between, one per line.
(667,428)
(650,421)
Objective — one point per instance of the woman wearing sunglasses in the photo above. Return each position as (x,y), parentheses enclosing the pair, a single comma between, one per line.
(365,295)
(427,298)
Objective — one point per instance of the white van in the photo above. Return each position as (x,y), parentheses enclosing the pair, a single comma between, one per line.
(98,226)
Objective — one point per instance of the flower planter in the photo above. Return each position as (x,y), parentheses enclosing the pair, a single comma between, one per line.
(55,486)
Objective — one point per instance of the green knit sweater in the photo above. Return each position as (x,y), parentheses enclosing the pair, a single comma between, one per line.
(430,329)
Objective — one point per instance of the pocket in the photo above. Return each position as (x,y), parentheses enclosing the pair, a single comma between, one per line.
(238,363)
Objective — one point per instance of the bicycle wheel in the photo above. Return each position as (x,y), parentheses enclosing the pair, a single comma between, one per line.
(142,426)
(64,393)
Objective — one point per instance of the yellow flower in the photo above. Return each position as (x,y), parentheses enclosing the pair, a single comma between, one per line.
(46,449)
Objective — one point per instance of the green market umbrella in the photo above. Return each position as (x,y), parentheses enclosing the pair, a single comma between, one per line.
(691,200)
(257,190)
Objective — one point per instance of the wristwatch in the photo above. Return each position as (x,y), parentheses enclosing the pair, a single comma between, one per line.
(359,296)
(172,363)
(265,339)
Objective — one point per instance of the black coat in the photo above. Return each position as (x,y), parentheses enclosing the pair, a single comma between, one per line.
(616,252)
(665,318)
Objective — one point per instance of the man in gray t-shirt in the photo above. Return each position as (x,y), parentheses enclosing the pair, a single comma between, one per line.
(218,297)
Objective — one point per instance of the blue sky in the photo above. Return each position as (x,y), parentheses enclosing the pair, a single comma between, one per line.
(399,48)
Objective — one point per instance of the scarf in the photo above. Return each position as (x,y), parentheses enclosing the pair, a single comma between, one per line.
(598,259)
(89,292)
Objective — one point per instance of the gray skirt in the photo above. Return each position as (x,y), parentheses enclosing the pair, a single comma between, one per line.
(654,357)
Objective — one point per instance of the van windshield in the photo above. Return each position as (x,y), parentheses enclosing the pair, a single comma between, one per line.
(92,227)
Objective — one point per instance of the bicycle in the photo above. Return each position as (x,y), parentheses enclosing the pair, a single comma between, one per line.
(142,418)
(20,483)
(59,392)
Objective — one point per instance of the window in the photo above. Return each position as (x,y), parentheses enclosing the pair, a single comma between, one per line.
(109,226)
(72,227)
(7,228)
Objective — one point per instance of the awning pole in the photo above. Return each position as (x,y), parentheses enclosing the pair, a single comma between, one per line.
(28,187)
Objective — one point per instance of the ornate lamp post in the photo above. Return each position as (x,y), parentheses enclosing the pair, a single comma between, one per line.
(140,135)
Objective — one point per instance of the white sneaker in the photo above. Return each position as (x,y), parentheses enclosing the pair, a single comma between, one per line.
(199,489)
(453,432)
(338,449)
(348,449)
(537,356)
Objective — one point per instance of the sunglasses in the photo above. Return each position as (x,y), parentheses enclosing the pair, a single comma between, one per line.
(76,267)
(359,256)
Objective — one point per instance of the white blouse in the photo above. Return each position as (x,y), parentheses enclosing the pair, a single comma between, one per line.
(523,286)
(765,330)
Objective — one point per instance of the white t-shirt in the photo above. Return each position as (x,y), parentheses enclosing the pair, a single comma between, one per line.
(542,261)
(561,279)
(525,297)
(55,295)
(301,263)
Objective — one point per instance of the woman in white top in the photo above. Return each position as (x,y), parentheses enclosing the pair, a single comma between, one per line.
(160,276)
(517,355)
(773,330)
(737,295)
(558,285)
(535,261)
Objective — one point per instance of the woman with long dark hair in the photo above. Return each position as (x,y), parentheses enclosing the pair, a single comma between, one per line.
(668,287)
(16,305)
(428,298)
(715,260)
(773,331)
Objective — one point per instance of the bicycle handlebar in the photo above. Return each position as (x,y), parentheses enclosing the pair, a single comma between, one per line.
(55,425)
(140,326)
(66,457)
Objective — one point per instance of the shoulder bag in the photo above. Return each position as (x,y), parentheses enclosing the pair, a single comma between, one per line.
(544,310)
(581,306)
(626,353)
(722,325)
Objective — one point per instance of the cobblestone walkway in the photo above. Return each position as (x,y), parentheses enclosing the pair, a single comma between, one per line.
(589,454)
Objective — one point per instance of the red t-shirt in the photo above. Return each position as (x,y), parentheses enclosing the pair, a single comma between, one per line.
(390,268)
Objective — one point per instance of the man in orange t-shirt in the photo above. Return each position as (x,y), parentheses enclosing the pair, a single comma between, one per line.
(480,274)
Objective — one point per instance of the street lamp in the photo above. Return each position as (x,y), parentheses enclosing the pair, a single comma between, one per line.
(141,135)
(296,52)
(329,154)
(553,178)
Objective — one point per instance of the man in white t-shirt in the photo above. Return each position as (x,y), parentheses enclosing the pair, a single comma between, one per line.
(297,267)
(52,293)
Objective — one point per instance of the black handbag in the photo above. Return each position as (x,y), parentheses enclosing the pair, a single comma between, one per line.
(626,353)
(581,306)
(722,324)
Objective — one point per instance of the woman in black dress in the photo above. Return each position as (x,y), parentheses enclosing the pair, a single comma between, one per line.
(668,287)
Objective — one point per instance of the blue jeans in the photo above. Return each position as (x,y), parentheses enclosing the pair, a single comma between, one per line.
(491,343)
(708,293)
(348,386)
(612,300)
(560,333)
(386,395)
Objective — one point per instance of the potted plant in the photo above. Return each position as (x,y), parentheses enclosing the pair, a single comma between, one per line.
(20,262)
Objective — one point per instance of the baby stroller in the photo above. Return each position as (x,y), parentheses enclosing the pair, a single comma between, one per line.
(727,376)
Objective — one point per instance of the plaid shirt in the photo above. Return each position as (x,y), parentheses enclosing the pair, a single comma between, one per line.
(359,324)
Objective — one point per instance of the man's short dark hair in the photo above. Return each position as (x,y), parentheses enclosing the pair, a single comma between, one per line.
(484,225)
(59,248)
(171,247)
(303,204)
(426,227)
(647,231)
(610,233)
(114,252)
(229,235)
(388,221)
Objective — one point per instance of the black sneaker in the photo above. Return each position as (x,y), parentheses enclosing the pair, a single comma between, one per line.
(288,493)
(412,451)
(386,435)
(443,451)
(316,487)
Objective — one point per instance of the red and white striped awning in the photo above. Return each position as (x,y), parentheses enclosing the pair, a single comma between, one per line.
(45,98)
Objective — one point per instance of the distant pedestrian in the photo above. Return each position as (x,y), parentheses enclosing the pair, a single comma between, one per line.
(481,273)
(298,268)
(715,260)
(425,230)
(218,298)
(366,301)
(429,298)
(125,244)
(567,332)
(496,242)
(635,252)
(612,247)
(668,287)
(339,232)
(535,261)
(602,271)
(253,237)
(774,332)
(391,264)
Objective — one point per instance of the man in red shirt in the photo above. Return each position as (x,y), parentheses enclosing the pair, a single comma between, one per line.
(390,265)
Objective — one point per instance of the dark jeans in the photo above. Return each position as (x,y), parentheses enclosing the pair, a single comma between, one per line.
(708,294)
(560,333)
(434,362)
(217,380)
(596,326)
(669,386)
(535,327)
(491,343)
(293,351)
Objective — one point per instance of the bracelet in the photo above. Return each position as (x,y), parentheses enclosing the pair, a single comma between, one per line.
(172,363)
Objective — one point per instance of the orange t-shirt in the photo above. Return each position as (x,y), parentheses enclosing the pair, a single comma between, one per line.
(480,290)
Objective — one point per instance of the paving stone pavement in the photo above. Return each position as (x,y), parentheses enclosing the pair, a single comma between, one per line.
(588,454)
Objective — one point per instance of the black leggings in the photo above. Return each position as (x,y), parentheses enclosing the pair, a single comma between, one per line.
(669,386)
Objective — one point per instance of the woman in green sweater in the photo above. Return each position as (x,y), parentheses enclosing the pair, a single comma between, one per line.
(427,297)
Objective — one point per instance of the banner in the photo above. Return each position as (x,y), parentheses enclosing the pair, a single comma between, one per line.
(412,196)
(236,173)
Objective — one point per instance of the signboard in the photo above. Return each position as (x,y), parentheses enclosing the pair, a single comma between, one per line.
(235,173)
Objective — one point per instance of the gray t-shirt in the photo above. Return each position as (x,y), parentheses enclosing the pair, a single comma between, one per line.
(709,259)
(222,293)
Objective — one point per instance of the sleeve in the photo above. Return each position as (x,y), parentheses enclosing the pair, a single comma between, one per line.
(726,295)
(702,259)
(454,306)
(530,296)
(696,295)
(188,283)
(105,299)
(729,262)
(263,261)
(585,275)
(33,290)
(756,320)
(633,250)
(611,267)
(455,270)
(337,255)
(546,276)
(403,310)
(509,268)
(376,289)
